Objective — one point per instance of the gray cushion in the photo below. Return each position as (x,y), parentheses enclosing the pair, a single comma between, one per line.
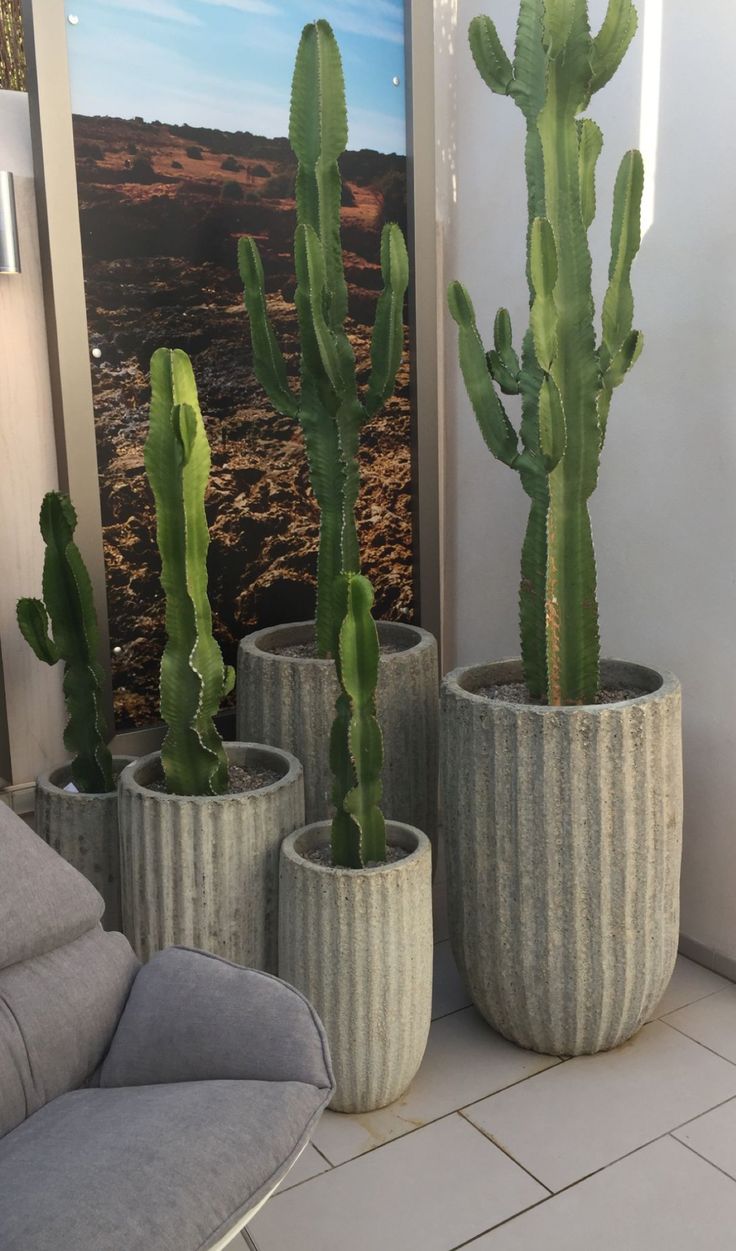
(58,1013)
(154,1168)
(193,1016)
(44,902)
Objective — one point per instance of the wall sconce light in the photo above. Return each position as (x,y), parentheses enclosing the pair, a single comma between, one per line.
(9,252)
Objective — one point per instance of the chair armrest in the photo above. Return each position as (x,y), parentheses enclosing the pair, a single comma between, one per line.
(194,1017)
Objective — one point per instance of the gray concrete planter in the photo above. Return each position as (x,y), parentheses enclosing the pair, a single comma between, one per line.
(84,830)
(290,701)
(358,943)
(203,870)
(563,831)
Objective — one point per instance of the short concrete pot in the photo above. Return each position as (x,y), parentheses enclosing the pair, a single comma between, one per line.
(84,830)
(290,701)
(202,871)
(358,944)
(563,832)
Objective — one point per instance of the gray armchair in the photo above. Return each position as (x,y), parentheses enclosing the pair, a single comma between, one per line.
(141,1109)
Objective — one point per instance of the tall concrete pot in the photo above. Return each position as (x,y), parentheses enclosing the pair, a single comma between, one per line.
(290,701)
(358,943)
(563,831)
(203,870)
(84,830)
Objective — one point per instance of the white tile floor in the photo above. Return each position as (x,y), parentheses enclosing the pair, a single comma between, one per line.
(496,1149)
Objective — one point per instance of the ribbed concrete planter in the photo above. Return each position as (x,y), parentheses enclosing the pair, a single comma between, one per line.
(84,830)
(563,831)
(203,870)
(290,701)
(358,943)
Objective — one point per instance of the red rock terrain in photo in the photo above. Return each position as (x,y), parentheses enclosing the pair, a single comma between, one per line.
(161,209)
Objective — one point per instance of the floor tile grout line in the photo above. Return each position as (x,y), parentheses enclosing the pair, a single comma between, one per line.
(553,1194)
(698,1043)
(454,1111)
(691,1002)
(706,1111)
(322,1155)
(508,1154)
(499,1225)
(705,1159)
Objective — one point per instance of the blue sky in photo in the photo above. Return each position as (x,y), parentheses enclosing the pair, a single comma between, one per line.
(228,63)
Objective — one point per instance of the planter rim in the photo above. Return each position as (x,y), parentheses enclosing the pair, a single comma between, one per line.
(289,852)
(253,643)
(48,780)
(294,771)
(454,684)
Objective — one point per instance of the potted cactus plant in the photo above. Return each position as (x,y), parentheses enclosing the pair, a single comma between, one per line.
(76,803)
(286,678)
(355,896)
(200,821)
(561,773)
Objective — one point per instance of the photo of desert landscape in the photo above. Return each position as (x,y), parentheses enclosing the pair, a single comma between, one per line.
(163,198)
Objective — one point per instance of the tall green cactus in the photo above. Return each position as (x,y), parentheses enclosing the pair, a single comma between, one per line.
(356,745)
(68,606)
(193,677)
(564,377)
(328,405)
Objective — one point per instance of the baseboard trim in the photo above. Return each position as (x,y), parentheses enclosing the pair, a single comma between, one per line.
(710,959)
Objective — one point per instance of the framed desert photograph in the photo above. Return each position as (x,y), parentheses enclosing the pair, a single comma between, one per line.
(179,117)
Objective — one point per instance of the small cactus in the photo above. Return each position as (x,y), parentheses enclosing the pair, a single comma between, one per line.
(193,678)
(68,607)
(356,745)
(328,405)
(565,379)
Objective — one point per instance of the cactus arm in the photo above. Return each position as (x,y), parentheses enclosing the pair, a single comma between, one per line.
(335,352)
(33,622)
(495,426)
(544,272)
(590,144)
(358,671)
(552,430)
(502,359)
(618,305)
(557,25)
(624,360)
(318,133)
(387,341)
(612,41)
(193,678)
(489,55)
(530,60)
(268,361)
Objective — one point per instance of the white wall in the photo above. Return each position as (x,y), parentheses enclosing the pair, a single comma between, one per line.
(28,458)
(664,513)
